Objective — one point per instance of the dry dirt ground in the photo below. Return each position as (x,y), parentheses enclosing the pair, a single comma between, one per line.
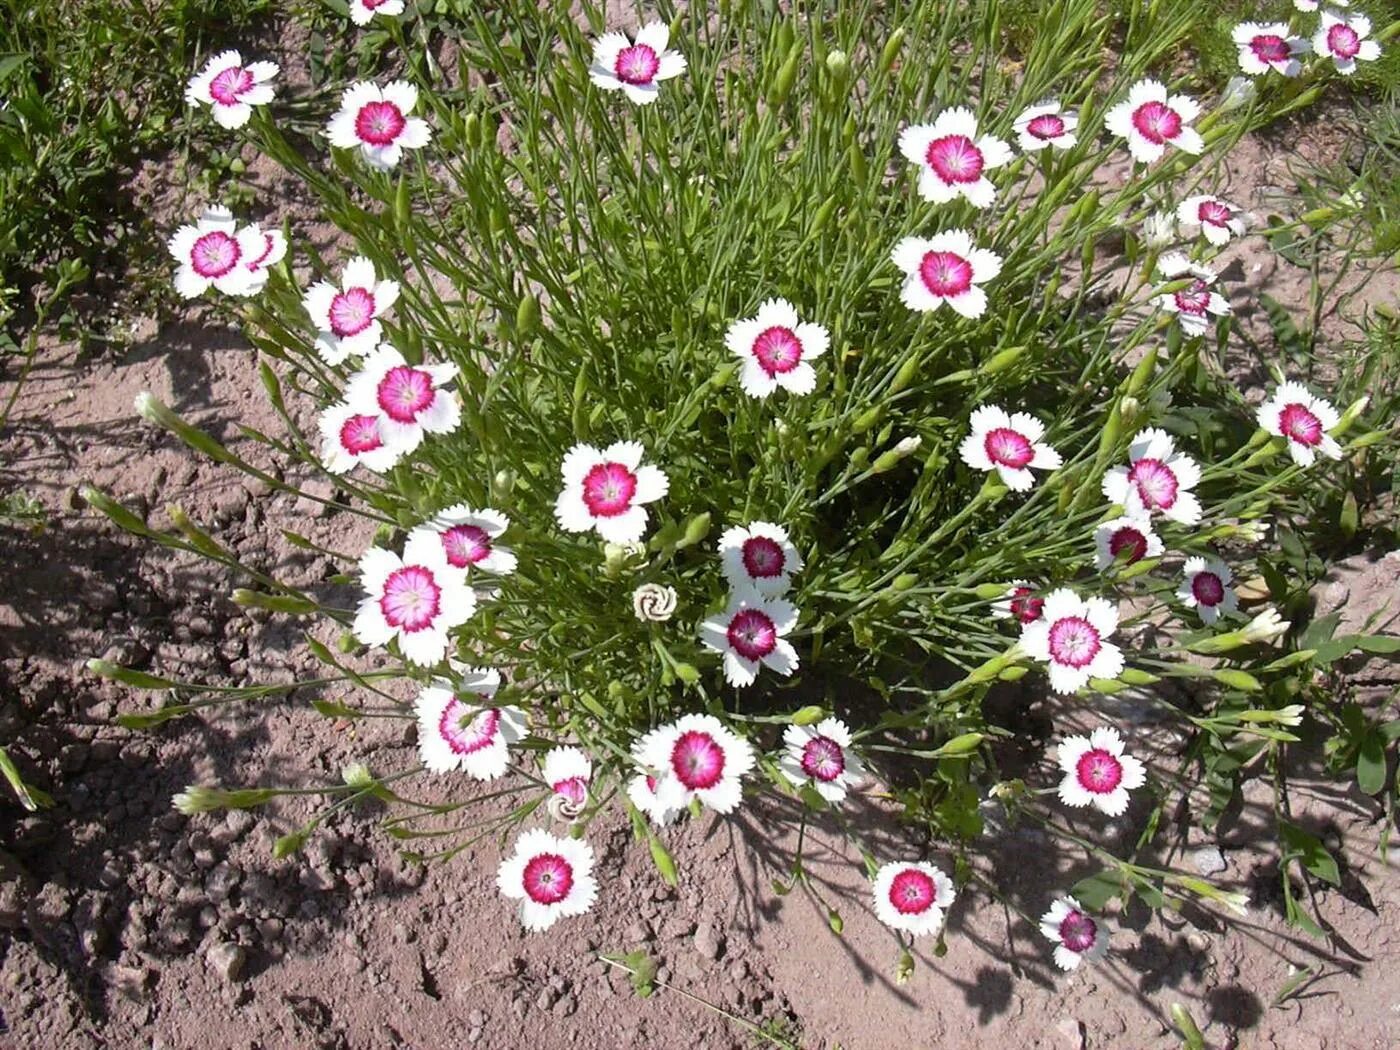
(124,924)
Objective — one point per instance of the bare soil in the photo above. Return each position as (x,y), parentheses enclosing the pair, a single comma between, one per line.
(125,924)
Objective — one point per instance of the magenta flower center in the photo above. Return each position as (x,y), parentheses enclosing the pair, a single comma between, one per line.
(229,84)
(1078,932)
(466,729)
(1343,41)
(778,350)
(945,274)
(955,159)
(823,759)
(1098,771)
(636,64)
(374,4)
(763,557)
(1155,482)
(1194,300)
(465,545)
(1130,540)
(360,434)
(214,254)
(1074,642)
(912,892)
(1157,122)
(1024,606)
(698,760)
(1007,448)
(1214,212)
(1299,424)
(752,634)
(351,312)
(411,599)
(548,878)
(1207,588)
(1046,126)
(379,123)
(575,789)
(1269,47)
(608,489)
(405,392)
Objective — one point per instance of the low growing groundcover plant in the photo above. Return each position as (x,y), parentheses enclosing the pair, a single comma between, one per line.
(740,396)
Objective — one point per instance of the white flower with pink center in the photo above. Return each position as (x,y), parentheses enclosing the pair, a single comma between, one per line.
(777,349)
(376,121)
(1097,773)
(1151,120)
(417,598)
(551,877)
(347,317)
(953,159)
(1294,413)
(1022,603)
(945,268)
(641,792)
(759,556)
(1157,480)
(231,89)
(637,66)
(568,771)
(1207,588)
(468,538)
(1046,124)
(361,11)
(608,491)
(1076,935)
(1218,220)
(821,755)
(1267,46)
(1313,5)
(1010,444)
(695,757)
(1342,38)
(270,248)
(350,438)
(459,729)
(912,897)
(750,634)
(409,399)
(1071,636)
(1124,541)
(214,253)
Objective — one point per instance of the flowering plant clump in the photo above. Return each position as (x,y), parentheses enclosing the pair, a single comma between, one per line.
(635,359)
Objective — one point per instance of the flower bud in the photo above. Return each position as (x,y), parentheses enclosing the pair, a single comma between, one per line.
(197,799)
(1159,230)
(1352,413)
(1238,92)
(654,602)
(838,64)
(1267,627)
(809,715)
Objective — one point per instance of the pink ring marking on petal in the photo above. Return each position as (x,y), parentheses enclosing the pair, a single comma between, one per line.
(1157,122)
(1155,482)
(1046,126)
(955,159)
(466,735)
(1270,48)
(913,892)
(823,759)
(575,789)
(752,634)
(379,123)
(1216,213)
(1025,606)
(411,599)
(698,760)
(1098,771)
(763,558)
(351,312)
(608,490)
(548,878)
(945,274)
(1008,448)
(229,84)
(1343,41)
(1129,539)
(214,254)
(1194,300)
(405,392)
(777,350)
(465,545)
(1207,588)
(360,434)
(1300,424)
(1074,642)
(1078,932)
(637,64)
